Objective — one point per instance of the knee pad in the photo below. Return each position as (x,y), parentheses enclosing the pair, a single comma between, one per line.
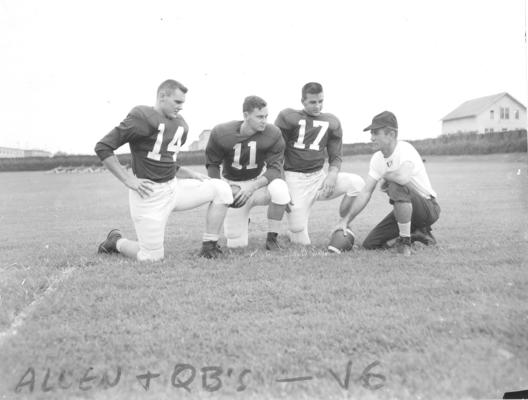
(354,184)
(278,190)
(224,195)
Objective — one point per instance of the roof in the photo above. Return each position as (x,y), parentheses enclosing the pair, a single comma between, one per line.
(474,107)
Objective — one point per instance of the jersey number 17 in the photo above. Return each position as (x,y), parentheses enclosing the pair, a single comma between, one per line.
(299,144)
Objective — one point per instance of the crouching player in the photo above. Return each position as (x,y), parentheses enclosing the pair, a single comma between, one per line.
(310,135)
(405,180)
(244,148)
(158,185)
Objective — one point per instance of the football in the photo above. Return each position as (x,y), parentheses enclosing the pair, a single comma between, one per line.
(340,243)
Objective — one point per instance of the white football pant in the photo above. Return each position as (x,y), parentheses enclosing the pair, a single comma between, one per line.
(150,214)
(237,219)
(305,189)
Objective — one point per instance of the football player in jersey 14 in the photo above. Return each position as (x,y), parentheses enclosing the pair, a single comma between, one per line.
(401,171)
(308,133)
(158,185)
(251,155)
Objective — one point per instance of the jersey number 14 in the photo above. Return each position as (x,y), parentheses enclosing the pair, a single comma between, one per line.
(173,146)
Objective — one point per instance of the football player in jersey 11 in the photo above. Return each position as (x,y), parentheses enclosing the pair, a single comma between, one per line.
(244,148)
(158,185)
(401,171)
(308,133)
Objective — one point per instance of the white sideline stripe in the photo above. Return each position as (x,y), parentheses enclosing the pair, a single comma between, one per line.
(21,317)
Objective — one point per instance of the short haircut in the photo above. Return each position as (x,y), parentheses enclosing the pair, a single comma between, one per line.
(253,102)
(311,88)
(169,86)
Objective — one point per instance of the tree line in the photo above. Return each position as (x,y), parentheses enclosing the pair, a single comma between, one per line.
(451,144)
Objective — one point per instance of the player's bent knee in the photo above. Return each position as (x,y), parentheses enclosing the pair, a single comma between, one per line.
(279,192)
(224,194)
(354,184)
(398,193)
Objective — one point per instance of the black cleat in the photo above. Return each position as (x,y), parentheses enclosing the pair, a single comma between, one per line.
(109,245)
(403,246)
(210,249)
(423,235)
(272,243)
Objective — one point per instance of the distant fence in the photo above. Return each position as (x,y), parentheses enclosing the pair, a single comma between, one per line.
(458,144)
(453,144)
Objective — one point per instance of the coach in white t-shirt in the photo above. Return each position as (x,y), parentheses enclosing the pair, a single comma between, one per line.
(401,170)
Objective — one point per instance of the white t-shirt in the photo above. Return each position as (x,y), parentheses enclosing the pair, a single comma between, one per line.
(403,152)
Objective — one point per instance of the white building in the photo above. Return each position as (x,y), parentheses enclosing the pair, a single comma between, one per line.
(500,112)
(9,152)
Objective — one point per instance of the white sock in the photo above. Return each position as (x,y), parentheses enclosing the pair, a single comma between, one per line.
(405,229)
(119,243)
(210,237)
(274,225)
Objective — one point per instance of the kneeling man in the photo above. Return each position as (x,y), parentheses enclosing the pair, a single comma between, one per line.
(244,148)
(404,178)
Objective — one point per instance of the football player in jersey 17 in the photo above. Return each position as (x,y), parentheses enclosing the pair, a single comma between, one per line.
(158,185)
(403,177)
(308,133)
(244,148)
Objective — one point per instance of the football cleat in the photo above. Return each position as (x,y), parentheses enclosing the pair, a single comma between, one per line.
(272,243)
(210,249)
(403,246)
(109,245)
(423,235)
(339,242)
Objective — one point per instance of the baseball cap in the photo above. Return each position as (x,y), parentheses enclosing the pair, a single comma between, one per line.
(386,119)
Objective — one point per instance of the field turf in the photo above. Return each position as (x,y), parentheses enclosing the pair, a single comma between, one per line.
(449,322)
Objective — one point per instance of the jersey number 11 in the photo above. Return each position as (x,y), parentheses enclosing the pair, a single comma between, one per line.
(252,155)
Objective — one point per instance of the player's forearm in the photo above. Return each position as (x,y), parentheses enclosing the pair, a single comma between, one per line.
(113,165)
(333,169)
(213,171)
(261,181)
(335,149)
(358,205)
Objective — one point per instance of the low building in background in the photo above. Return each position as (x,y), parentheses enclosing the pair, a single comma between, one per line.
(37,153)
(9,152)
(496,113)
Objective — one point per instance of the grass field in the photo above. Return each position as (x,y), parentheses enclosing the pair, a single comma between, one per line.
(450,322)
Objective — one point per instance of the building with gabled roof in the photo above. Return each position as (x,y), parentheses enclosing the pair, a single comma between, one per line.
(496,113)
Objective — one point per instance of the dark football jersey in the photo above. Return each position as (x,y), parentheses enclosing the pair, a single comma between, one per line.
(307,137)
(242,157)
(154,142)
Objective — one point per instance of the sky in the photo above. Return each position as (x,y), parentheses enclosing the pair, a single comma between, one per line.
(71,70)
